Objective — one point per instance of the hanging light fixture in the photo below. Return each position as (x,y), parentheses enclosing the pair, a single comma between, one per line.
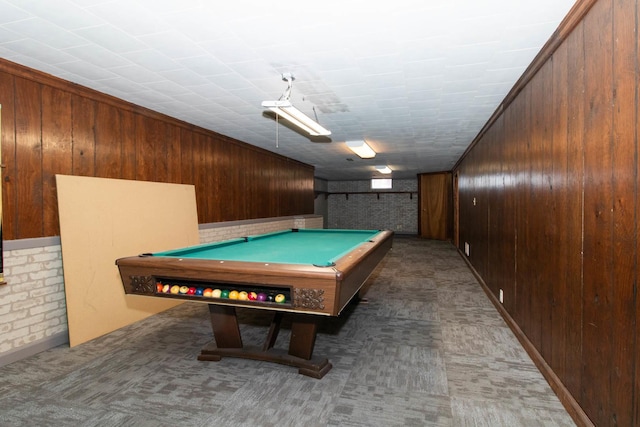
(285,109)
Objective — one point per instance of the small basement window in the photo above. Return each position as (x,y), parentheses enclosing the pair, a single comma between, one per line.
(381,183)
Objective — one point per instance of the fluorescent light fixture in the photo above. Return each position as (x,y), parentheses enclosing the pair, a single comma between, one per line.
(383,169)
(287,111)
(361,149)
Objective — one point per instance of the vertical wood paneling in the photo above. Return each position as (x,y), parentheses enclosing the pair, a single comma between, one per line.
(174,154)
(570,156)
(200,168)
(84,138)
(60,130)
(8,161)
(186,152)
(219,189)
(494,209)
(535,199)
(57,151)
(636,385)
(624,193)
(574,128)
(481,240)
(547,243)
(211,180)
(559,259)
(525,271)
(108,142)
(158,144)
(29,157)
(128,159)
(598,218)
(239,176)
(573,222)
(145,134)
(509,196)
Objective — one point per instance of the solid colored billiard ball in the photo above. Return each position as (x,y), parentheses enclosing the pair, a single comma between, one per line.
(159,287)
(279,298)
(261,297)
(243,295)
(191,291)
(252,296)
(207,292)
(175,289)
(166,289)
(184,289)
(233,294)
(199,291)
(217,293)
(270,298)
(224,293)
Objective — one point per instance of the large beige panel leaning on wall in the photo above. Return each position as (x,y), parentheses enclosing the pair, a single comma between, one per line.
(104,219)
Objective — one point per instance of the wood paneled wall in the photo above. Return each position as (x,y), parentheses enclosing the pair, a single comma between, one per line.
(50,127)
(555,176)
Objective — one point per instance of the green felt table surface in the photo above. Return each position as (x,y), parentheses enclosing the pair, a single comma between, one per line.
(304,246)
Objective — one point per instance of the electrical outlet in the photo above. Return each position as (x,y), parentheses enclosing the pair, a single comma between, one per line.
(467,248)
(501,297)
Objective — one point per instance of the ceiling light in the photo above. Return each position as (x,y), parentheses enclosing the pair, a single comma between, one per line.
(361,149)
(286,110)
(383,169)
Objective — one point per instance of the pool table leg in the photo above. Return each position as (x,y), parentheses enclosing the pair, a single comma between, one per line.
(303,336)
(225,326)
(228,342)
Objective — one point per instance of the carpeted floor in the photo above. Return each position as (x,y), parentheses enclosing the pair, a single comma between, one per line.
(426,348)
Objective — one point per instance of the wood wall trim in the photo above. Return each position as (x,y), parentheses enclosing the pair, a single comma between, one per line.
(575,15)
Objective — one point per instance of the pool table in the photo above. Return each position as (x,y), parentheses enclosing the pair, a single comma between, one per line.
(304,273)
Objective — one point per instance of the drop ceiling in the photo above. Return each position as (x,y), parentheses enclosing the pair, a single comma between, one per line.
(416,79)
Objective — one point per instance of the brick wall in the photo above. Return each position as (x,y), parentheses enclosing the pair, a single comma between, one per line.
(33,313)
(32,303)
(229,230)
(397,212)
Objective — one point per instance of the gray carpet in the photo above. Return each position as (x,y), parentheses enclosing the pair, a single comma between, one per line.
(426,348)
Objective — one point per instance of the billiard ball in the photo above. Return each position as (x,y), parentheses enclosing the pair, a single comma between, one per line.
(217,293)
(270,298)
(191,291)
(224,293)
(166,289)
(207,292)
(159,287)
(175,289)
(184,289)
(261,296)
(243,295)
(252,296)
(279,298)
(233,294)
(199,291)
